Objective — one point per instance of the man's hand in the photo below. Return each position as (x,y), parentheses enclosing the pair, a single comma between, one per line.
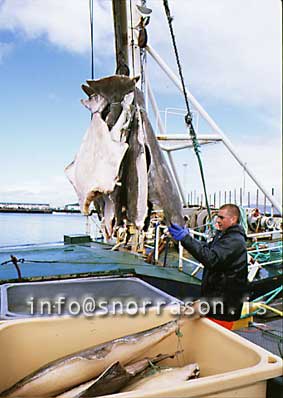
(177,232)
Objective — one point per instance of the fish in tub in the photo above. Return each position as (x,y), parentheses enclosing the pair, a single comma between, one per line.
(106,358)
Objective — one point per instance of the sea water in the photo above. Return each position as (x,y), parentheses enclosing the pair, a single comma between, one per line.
(22,228)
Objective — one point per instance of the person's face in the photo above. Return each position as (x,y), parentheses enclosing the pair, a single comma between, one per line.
(225,220)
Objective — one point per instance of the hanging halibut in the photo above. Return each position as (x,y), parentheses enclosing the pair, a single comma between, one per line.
(162,189)
(96,166)
(134,190)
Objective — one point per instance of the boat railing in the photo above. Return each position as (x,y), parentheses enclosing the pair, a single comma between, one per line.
(93,228)
(198,266)
(160,230)
(260,257)
(265,249)
(253,267)
(273,234)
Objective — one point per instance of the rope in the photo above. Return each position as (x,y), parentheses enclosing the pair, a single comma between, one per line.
(91,37)
(272,294)
(188,117)
(22,260)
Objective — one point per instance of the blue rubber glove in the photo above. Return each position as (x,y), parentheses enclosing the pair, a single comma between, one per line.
(177,232)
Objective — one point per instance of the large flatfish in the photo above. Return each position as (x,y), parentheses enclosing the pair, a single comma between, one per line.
(162,188)
(76,368)
(95,168)
(135,178)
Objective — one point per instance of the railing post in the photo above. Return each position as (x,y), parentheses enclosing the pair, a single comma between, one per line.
(181,253)
(156,255)
(272,207)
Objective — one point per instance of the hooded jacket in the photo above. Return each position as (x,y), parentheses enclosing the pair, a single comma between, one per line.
(225,271)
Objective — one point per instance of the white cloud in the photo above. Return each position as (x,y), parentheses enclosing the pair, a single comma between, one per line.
(64,23)
(230,50)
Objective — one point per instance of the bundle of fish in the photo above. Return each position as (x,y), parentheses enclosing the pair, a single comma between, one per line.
(105,369)
(120,166)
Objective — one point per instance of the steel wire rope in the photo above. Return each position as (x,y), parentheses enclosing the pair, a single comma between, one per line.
(92,64)
(91,37)
(188,117)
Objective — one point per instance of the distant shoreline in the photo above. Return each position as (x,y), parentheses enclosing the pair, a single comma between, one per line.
(38,211)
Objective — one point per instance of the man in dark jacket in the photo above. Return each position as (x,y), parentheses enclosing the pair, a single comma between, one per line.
(225,264)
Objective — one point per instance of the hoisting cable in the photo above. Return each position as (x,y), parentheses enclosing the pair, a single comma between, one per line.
(188,117)
(92,57)
(91,37)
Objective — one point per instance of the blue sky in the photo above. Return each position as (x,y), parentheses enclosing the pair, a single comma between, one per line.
(231,55)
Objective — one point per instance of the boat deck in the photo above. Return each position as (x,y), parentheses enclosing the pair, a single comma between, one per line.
(58,261)
(270,337)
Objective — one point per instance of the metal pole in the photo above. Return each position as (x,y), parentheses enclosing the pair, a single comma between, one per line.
(121,30)
(235,196)
(260,234)
(272,209)
(230,196)
(134,50)
(212,123)
(185,165)
(181,251)
(249,199)
(264,205)
(256,202)
(241,196)
(156,244)
(214,200)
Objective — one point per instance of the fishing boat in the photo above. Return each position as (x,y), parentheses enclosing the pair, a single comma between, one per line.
(132,262)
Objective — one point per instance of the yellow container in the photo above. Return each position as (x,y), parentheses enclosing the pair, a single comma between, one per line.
(244,322)
(230,366)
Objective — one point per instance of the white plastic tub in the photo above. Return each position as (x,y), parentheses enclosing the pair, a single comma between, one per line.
(230,366)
